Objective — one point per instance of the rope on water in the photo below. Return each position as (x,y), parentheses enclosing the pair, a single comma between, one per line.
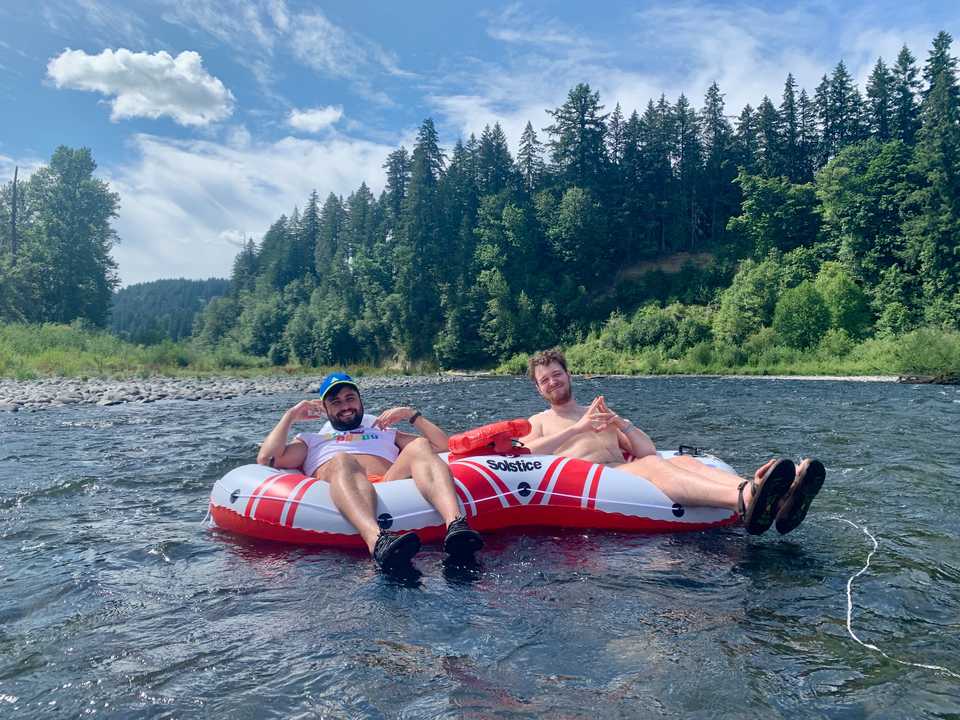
(495,496)
(870,646)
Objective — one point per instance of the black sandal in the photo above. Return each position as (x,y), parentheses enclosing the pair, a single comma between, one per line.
(797,501)
(765,499)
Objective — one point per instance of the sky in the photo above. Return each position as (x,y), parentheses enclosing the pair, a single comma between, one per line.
(212,118)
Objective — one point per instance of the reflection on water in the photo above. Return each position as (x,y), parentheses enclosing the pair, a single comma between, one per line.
(116,601)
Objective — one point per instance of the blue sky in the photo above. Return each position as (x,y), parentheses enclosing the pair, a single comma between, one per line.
(211,118)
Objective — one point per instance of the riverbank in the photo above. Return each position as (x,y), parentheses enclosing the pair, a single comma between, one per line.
(16,395)
(28,395)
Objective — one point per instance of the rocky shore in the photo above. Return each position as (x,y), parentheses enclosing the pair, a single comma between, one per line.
(18,395)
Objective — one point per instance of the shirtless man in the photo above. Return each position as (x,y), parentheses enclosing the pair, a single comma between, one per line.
(778,492)
(352,446)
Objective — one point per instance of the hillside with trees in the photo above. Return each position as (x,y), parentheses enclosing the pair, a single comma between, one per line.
(148,313)
(817,225)
(832,216)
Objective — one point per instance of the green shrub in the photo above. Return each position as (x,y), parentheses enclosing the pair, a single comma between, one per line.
(927,351)
(835,344)
(801,316)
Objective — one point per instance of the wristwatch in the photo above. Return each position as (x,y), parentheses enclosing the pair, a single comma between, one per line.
(413,418)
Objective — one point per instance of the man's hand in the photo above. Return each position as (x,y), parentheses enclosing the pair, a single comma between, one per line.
(606,417)
(306,410)
(393,416)
(591,419)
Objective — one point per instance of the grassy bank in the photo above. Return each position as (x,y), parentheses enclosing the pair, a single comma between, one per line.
(33,351)
(923,352)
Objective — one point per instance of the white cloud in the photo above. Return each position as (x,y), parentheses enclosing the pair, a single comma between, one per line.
(513,25)
(145,85)
(106,23)
(186,206)
(328,48)
(664,49)
(237,23)
(27,167)
(315,119)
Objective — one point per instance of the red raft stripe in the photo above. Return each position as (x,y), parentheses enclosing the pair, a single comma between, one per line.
(496,483)
(256,493)
(272,500)
(479,485)
(295,502)
(570,483)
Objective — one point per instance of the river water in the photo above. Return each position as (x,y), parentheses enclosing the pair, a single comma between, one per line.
(116,601)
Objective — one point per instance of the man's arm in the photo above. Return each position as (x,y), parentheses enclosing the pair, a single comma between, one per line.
(434,435)
(275,451)
(632,439)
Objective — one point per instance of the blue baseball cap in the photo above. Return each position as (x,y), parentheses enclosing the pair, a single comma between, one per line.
(333,380)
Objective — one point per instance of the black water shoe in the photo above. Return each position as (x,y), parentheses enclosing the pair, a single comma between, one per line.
(394,550)
(461,540)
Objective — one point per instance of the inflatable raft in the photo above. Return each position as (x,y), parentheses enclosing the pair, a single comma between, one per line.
(498,488)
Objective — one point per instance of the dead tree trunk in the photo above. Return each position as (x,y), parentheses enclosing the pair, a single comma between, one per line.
(13,220)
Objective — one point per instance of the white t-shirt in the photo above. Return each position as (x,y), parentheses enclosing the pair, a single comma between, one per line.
(364,440)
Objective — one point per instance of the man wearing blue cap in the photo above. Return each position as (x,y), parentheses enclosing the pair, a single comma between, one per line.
(353,446)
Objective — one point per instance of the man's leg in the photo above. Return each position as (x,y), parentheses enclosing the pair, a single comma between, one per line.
(431,476)
(684,486)
(434,481)
(722,477)
(353,495)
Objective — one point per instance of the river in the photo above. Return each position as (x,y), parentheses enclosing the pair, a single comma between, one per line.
(117,601)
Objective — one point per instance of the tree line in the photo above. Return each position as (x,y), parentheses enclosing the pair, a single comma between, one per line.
(825,218)
(150,312)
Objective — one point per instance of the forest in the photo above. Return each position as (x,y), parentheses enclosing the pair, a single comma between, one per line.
(812,223)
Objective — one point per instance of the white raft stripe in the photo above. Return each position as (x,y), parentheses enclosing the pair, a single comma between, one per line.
(593,476)
(468,496)
(291,498)
(491,479)
(548,490)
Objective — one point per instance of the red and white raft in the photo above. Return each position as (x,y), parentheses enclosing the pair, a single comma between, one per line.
(496,490)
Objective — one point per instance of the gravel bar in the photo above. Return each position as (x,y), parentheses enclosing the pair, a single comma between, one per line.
(16,395)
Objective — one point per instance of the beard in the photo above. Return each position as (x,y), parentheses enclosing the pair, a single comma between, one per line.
(355,420)
(560,395)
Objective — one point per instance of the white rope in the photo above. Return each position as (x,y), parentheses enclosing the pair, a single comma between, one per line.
(870,646)
(496,496)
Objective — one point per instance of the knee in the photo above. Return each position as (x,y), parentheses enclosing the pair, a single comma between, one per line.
(342,464)
(419,447)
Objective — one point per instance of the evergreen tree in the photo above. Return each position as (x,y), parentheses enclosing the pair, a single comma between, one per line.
(530,159)
(688,161)
(789,133)
(719,164)
(768,136)
(746,142)
(494,164)
(615,139)
(905,89)
(933,227)
(421,251)
(397,166)
(880,101)
(244,273)
(577,139)
(809,140)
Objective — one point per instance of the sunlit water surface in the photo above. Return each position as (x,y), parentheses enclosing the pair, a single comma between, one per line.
(115,600)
